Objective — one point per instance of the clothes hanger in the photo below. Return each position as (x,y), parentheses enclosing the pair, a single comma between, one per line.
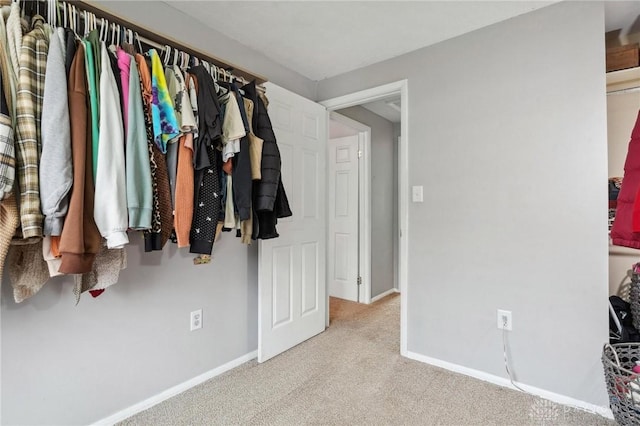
(187,60)
(114,33)
(51,13)
(72,18)
(166,54)
(85,23)
(137,39)
(76,20)
(55,9)
(103,30)
(176,54)
(215,70)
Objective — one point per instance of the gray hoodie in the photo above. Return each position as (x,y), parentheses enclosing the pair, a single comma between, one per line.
(56,170)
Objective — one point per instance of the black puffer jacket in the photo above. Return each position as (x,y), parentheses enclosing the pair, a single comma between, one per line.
(265,191)
(269,197)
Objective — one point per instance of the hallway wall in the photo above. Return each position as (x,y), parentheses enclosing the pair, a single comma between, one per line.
(383,186)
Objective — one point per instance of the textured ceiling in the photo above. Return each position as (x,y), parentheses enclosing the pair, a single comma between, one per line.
(324,39)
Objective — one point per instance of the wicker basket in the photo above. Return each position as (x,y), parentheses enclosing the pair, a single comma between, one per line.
(634,299)
(623,385)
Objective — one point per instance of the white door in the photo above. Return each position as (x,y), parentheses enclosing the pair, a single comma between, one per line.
(343,259)
(291,268)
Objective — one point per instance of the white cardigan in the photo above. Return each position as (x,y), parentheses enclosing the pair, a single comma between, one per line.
(110,206)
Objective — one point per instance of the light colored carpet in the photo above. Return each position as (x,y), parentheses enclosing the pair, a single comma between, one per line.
(353,374)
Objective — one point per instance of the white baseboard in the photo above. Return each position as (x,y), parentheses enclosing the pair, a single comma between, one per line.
(386,293)
(175,390)
(502,381)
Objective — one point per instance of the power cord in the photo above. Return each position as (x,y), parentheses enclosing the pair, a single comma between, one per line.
(506,362)
(506,366)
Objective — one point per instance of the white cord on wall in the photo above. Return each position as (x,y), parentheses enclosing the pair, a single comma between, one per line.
(506,362)
(506,366)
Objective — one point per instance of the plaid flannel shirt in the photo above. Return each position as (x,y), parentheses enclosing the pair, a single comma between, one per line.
(33,62)
(7,158)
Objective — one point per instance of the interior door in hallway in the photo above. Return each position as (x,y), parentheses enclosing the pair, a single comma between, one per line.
(291,268)
(343,259)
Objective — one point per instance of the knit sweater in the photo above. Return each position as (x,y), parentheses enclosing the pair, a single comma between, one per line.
(183,209)
(183,212)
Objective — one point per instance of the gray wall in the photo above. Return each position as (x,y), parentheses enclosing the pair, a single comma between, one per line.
(65,364)
(382,193)
(507,133)
(171,22)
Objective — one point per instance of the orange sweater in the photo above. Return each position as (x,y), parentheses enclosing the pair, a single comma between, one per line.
(184,190)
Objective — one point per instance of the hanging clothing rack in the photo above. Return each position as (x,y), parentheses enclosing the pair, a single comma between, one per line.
(160,42)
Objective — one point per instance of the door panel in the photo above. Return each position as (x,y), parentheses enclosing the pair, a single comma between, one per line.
(310,190)
(310,284)
(343,218)
(291,268)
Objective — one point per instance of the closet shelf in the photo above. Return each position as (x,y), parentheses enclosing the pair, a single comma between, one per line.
(623,79)
(625,251)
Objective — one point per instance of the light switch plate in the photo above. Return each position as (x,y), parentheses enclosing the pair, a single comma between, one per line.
(417,194)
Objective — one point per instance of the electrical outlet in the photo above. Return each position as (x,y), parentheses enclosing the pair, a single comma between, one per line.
(196,320)
(504,320)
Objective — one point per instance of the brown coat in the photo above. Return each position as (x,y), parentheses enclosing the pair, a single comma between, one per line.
(80,240)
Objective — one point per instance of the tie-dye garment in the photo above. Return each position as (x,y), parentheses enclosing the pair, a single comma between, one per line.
(165,123)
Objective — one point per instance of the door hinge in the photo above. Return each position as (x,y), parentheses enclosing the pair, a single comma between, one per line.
(359,153)
(359,280)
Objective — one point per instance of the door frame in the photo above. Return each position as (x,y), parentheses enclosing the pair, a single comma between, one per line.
(369,95)
(364,203)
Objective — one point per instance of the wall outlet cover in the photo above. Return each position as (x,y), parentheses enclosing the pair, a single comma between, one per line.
(196,320)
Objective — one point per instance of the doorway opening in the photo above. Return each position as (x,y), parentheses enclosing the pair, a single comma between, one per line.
(349,202)
(395,93)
